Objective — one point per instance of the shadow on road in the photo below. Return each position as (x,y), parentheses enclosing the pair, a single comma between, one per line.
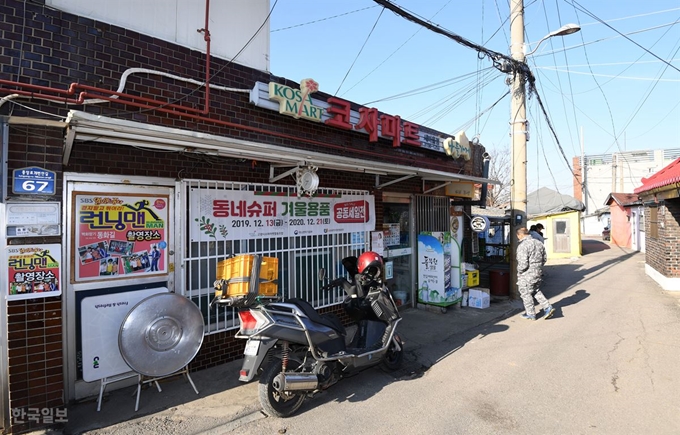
(589,246)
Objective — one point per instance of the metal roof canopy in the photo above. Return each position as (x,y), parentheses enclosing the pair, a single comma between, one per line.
(84,126)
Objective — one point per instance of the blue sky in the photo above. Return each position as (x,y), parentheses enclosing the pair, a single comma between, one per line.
(622,97)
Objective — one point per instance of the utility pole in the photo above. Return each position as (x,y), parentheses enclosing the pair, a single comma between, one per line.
(518,133)
(519,128)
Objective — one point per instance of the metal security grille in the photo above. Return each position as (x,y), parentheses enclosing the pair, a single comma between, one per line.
(300,257)
(432,213)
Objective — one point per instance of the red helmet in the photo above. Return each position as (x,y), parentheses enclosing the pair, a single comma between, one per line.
(370,264)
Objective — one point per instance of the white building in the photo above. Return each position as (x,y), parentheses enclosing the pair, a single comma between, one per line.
(617,172)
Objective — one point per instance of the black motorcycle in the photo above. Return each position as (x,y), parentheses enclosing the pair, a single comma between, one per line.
(301,352)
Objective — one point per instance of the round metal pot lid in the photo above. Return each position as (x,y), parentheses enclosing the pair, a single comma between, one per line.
(161,334)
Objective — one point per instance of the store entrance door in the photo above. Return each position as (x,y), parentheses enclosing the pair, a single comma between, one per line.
(398,242)
(120,246)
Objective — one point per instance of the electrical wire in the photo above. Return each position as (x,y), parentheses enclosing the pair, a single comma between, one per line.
(360,50)
(463,94)
(559,82)
(648,29)
(395,51)
(612,76)
(426,88)
(604,96)
(480,114)
(501,27)
(478,99)
(36,110)
(460,97)
(590,14)
(323,19)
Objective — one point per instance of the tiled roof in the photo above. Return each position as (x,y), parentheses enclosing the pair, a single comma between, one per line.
(623,199)
(668,175)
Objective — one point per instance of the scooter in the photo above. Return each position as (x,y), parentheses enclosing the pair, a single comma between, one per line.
(300,352)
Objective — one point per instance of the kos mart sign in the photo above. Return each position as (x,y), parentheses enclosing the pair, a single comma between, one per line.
(297,102)
(336,112)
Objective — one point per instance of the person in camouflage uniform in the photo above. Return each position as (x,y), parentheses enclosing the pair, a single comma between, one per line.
(531,257)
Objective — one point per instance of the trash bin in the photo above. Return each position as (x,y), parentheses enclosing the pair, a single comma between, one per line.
(499,282)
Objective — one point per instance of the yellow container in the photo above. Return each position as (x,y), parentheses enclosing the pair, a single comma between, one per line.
(236,270)
(472,278)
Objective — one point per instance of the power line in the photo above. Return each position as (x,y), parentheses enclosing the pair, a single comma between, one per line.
(426,88)
(587,12)
(496,57)
(360,50)
(323,19)
(395,51)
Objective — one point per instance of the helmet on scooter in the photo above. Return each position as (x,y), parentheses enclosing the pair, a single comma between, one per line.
(370,264)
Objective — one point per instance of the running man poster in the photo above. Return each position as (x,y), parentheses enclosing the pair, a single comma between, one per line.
(120,236)
(33,271)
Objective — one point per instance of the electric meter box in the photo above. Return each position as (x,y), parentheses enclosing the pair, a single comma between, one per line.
(33,218)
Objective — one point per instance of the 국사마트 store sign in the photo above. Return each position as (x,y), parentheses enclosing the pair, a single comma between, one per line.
(336,112)
(239,215)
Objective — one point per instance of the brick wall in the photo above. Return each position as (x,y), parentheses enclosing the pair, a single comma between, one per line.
(663,252)
(34,346)
(56,49)
(671,237)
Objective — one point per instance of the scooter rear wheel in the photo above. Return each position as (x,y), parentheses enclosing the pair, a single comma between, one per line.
(394,358)
(273,403)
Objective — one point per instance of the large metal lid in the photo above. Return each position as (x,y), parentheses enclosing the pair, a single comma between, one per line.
(161,334)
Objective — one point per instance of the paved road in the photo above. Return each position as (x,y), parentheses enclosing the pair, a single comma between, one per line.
(606,363)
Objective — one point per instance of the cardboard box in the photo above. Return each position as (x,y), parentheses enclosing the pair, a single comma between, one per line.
(481,300)
(479,292)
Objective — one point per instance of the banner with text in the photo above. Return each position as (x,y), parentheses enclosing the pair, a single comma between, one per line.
(119,236)
(240,215)
(33,271)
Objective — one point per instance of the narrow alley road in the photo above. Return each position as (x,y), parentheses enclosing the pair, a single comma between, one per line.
(606,363)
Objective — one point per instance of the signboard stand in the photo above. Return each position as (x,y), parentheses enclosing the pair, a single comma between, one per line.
(141,380)
(110,380)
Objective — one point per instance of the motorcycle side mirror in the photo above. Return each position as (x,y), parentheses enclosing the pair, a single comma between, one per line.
(322,274)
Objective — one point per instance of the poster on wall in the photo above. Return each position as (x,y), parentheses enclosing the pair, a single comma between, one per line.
(240,215)
(377,242)
(33,271)
(457,228)
(438,269)
(119,236)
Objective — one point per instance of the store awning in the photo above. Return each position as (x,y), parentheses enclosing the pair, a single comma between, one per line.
(84,126)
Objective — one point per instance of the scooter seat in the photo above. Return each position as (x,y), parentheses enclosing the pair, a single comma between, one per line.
(331,321)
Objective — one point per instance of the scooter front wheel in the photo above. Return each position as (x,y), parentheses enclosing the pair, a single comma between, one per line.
(273,402)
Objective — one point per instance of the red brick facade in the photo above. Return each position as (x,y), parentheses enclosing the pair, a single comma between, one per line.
(663,251)
(50,48)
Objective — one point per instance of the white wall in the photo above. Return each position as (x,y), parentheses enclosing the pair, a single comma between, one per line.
(622,172)
(232,23)
(593,225)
